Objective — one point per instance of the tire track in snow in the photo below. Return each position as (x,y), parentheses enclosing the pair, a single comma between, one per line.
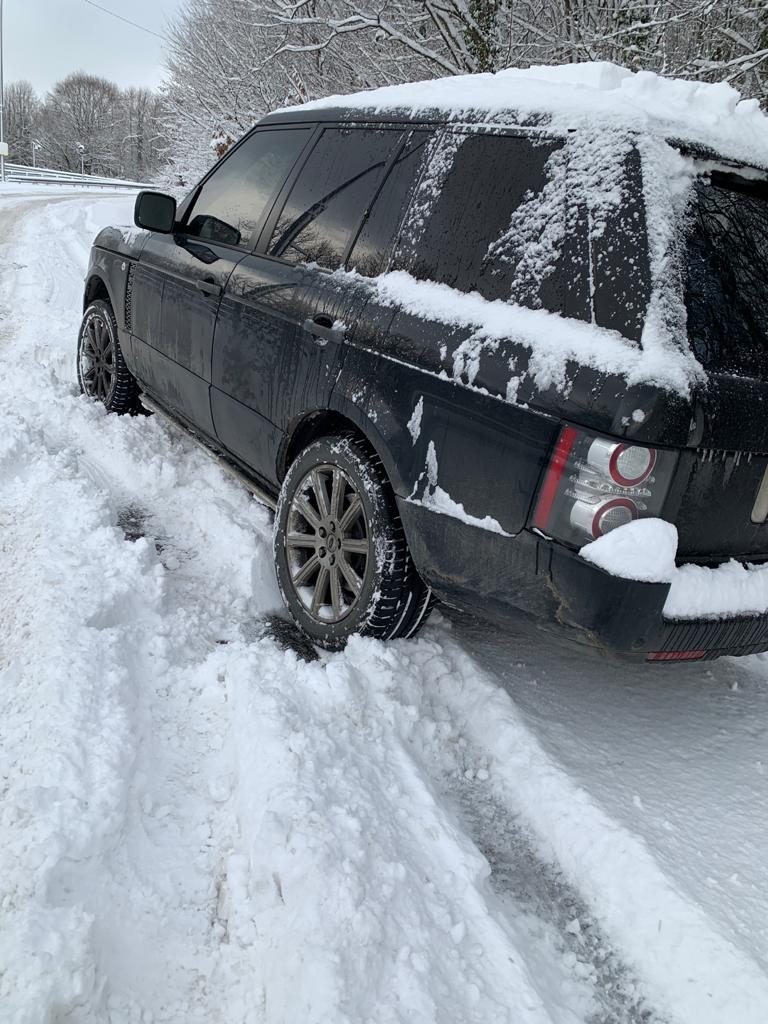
(687,967)
(529,885)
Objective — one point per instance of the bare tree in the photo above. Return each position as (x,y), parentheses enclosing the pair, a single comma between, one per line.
(22,113)
(230,61)
(139,136)
(82,111)
(711,39)
(121,133)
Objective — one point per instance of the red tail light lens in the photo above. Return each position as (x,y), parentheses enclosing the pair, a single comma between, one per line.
(557,467)
(595,484)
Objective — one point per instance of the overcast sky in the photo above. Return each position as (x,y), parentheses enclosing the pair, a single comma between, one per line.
(46,39)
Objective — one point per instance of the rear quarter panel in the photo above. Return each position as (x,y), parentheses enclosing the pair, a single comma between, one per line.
(430,430)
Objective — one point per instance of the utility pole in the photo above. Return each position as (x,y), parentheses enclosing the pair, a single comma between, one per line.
(2,100)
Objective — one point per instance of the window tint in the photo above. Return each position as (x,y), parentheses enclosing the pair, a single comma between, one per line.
(621,284)
(462,229)
(232,201)
(372,249)
(331,194)
(726,271)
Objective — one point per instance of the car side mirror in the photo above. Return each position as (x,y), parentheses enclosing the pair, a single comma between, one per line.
(155,211)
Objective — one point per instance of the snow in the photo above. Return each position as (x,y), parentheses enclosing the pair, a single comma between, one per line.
(440,501)
(641,550)
(414,423)
(690,745)
(646,550)
(730,589)
(437,499)
(198,825)
(551,338)
(658,925)
(573,95)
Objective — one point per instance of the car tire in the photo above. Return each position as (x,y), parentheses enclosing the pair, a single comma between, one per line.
(342,560)
(101,370)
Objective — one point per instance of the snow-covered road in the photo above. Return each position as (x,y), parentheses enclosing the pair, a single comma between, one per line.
(197,824)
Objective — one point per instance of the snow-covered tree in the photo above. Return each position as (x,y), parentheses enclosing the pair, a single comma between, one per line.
(121,131)
(139,131)
(80,117)
(230,61)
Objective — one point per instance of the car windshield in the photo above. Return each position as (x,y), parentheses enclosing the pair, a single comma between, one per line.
(727,275)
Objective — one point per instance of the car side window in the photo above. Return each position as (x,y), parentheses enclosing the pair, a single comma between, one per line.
(234,199)
(621,271)
(331,195)
(489,215)
(373,246)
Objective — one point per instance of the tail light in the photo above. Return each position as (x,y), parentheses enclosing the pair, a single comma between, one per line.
(594,484)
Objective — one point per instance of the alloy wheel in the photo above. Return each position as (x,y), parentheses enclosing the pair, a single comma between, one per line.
(327,544)
(97,358)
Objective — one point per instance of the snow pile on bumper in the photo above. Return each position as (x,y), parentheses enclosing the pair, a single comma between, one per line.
(646,549)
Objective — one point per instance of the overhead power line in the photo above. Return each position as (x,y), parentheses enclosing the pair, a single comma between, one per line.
(127,21)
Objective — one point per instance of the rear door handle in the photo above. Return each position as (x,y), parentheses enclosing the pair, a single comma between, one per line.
(323,329)
(208,286)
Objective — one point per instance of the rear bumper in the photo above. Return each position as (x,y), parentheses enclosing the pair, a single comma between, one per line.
(498,577)
(740,634)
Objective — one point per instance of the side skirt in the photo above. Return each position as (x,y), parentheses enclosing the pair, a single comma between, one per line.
(258,491)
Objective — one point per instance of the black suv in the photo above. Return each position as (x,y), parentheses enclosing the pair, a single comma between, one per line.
(325,311)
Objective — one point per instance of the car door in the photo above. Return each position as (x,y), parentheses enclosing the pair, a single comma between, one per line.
(180,278)
(286,310)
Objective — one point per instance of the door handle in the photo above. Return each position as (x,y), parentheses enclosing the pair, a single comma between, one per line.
(208,286)
(323,329)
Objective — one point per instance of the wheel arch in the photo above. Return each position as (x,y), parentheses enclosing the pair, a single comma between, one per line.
(321,422)
(96,288)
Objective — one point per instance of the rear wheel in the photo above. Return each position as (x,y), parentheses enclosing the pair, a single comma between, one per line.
(101,369)
(343,564)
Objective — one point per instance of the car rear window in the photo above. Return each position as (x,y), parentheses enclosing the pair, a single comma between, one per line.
(726,268)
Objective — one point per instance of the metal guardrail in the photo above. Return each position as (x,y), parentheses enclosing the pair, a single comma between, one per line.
(21,174)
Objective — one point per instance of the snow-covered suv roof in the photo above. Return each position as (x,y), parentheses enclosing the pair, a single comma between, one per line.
(714,117)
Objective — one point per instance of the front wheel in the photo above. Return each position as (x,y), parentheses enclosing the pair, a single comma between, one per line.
(342,561)
(101,369)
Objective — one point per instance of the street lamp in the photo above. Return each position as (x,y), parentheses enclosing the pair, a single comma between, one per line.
(81,151)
